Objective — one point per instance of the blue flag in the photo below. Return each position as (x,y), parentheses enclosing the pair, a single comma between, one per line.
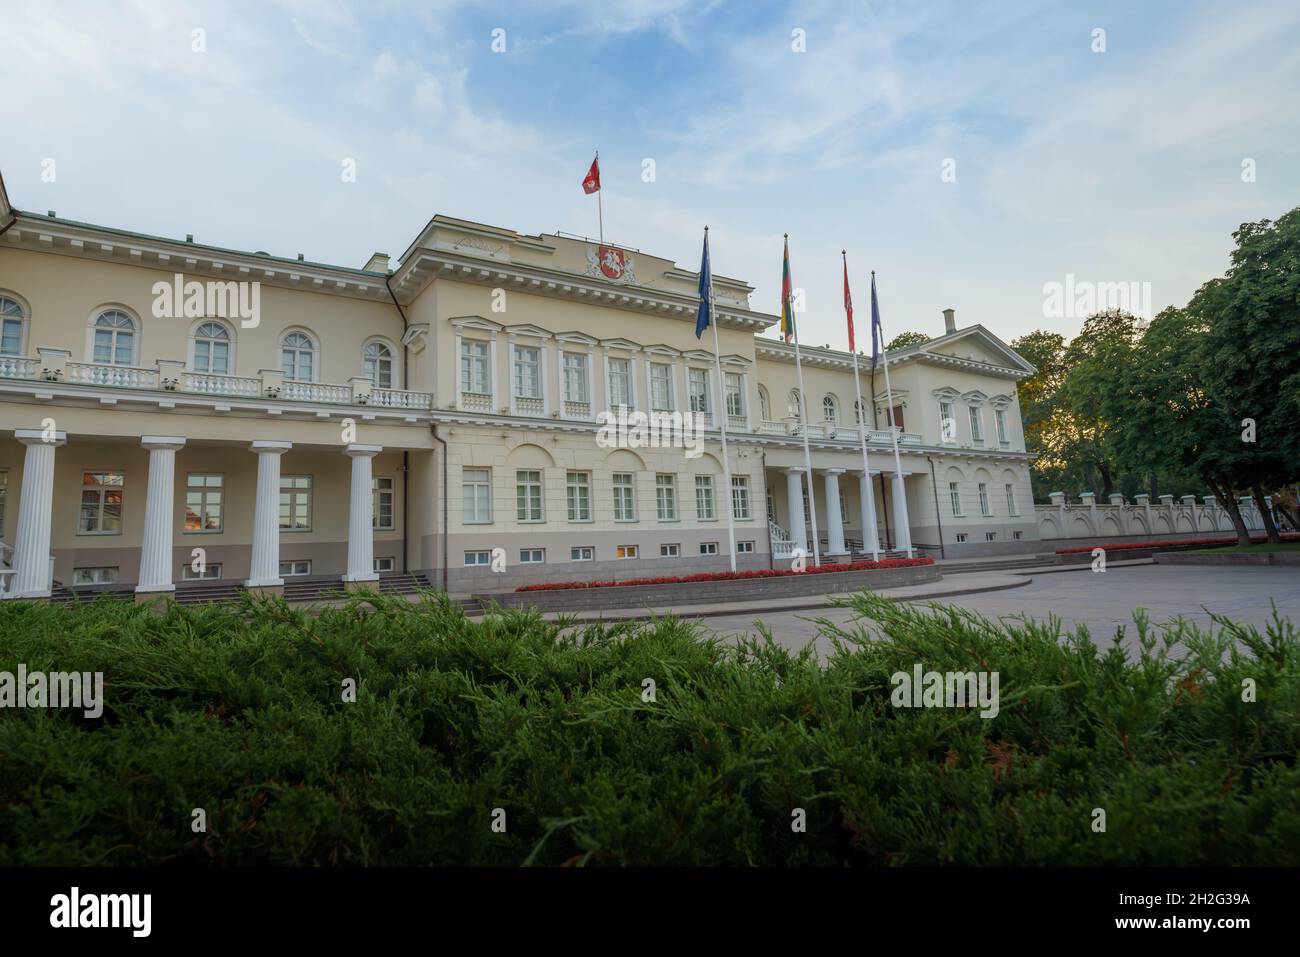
(705,316)
(877,333)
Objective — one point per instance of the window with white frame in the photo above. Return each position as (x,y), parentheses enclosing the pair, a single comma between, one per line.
(212,349)
(985,508)
(670,550)
(377,364)
(4,494)
(204,495)
(626,551)
(620,383)
(830,409)
(295,503)
(1017,535)
(1000,418)
(582,553)
(697,381)
(479,556)
(666,497)
(764,404)
(947,423)
(954,496)
(661,387)
(385,564)
(476,495)
(976,424)
(735,395)
(740,497)
(578,495)
(794,403)
(381,502)
(475,366)
(13,320)
(574,366)
(744,547)
(114,339)
(207,571)
(298,357)
(532,556)
(295,568)
(857,412)
(704,497)
(708,548)
(961,538)
(95,576)
(528,372)
(528,495)
(624,497)
(1011,500)
(101,503)
(990,536)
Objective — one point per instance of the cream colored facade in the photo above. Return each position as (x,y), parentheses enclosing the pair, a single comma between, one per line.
(463,386)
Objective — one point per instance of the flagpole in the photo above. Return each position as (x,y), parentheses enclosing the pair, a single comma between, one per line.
(600,205)
(720,392)
(903,530)
(870,538)
(803,427)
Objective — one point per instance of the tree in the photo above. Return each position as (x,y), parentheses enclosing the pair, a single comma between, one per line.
(905,339)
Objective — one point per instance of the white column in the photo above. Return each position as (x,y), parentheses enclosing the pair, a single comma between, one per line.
(902,533)
(867,508)
(361,526)
(35,513)
(264,569)
(794,500)
(834,519)
(156,547)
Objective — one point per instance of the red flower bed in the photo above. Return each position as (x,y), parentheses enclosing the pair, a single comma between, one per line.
(735,576)
(1285,536)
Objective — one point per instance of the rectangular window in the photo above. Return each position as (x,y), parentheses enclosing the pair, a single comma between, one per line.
(1017,535)
(961,537)
(101,503)
(578,487)
(976,425)
(624,497)
(735,395)
(298,568)
(210,571)
(532,556)
(381,503)
(581,553)
(479,557)
(626,551)
(661,387)
(386,564)
(528,495)
(990,536)
(295,502)
(947,423)
(708,548)
(666,497)
(203,499)
(985,509)
(475,366)
(528,372)
(1000,417)
(670,551)
(898,417)
(94,576)
(476,495)
(1011,500)
(11,337)
(740,498)
(704,497)
(620,383)
(954,496)
(575,377)
(698,380)
(742,547)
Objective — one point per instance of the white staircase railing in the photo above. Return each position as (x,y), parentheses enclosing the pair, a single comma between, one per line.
(782,543)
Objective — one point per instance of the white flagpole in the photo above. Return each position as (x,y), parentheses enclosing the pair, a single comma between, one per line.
(803,428)
(600,205)
(720,393)
(870,538)
(903,530)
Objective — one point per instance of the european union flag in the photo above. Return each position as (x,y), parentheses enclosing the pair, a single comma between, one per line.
(705,316)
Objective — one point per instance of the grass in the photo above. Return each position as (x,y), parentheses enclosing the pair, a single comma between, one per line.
(238,710)
(1263,547)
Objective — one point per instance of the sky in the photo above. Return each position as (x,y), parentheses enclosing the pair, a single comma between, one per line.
(970,153)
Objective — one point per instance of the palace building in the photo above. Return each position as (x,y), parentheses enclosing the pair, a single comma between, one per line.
(174,415)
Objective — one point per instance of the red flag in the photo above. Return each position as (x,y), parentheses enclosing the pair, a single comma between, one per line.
(591,183)
(848,303)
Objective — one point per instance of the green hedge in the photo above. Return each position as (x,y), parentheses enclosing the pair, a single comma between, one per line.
(238,710)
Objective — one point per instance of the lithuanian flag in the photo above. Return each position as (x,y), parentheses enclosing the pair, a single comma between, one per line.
(787,296)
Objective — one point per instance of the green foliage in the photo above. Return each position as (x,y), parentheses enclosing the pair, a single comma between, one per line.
(905,339)
(238,710)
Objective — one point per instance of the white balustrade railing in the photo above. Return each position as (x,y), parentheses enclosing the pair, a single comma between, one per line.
(212,384)
(475,402)
(529,406)
(577,410)
(398,399)
(316,392)
(19,367)
(121,377)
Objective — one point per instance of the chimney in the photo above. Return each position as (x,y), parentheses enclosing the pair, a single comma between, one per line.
(377,263)
(949,320)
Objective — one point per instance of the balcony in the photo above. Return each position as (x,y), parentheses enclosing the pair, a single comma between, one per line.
(169,375)
(829,430)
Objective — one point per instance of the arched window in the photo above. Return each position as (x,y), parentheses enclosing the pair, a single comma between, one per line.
(795,403)
(114,341)
(212,349)
(298,357)
(377,363)
(764,404)
(13,319)
(830,409)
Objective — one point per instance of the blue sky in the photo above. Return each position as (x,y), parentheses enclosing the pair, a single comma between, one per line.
(1118,166)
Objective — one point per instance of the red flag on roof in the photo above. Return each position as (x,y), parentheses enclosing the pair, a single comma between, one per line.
(591,182)
(848,303)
